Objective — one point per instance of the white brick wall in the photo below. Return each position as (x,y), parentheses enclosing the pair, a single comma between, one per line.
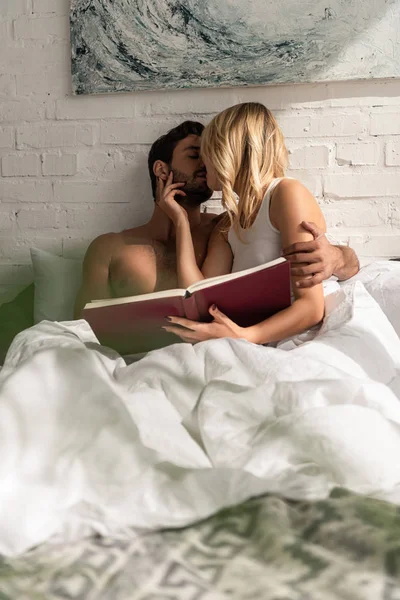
(41,28)
(14,8)
(59,164)
(54,135)
(361,153)
(74,167)
(392,154)
(22,165)
(7,136)
(59,7)
(310,157)
(7,85)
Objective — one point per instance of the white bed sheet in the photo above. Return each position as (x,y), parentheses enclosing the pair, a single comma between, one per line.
(90,444)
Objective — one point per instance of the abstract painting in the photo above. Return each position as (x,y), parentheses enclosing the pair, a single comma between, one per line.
(123,45)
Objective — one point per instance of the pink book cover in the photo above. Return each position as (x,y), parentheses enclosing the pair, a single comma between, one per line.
(248,299)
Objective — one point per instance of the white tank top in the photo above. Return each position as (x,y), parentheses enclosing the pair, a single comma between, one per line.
(260,243)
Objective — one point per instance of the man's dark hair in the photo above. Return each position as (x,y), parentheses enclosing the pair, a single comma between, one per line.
(164,147)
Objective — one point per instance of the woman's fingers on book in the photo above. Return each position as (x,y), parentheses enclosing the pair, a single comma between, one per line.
(218,315)
(178,331)
(189,331)
(193,331)
(182,322)
(187,335)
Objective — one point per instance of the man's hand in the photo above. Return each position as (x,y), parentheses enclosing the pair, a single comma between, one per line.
(312,261)
(165,199)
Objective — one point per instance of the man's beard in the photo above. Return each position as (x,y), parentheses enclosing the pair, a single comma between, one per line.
(197,191)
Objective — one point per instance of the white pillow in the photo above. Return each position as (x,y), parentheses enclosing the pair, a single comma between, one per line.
(57,281)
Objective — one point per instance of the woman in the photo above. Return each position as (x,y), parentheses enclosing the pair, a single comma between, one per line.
(245,156)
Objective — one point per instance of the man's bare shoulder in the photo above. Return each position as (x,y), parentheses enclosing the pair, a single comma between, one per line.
(102,248)
(107,240)
(139,241)
(116,241)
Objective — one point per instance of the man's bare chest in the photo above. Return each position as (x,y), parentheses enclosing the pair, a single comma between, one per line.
(150,267)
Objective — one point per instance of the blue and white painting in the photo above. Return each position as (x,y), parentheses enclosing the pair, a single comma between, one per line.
(123,45)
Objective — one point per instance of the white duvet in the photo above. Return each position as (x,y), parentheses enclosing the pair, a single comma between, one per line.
(90,444)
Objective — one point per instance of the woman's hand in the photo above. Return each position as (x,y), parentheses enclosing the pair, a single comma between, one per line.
(194,331)
(165,199)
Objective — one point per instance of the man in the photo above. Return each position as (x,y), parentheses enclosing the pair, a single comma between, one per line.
(143,259)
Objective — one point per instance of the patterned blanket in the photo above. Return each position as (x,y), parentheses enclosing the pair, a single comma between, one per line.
(343,548)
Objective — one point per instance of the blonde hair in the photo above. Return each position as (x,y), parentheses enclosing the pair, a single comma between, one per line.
(247,150)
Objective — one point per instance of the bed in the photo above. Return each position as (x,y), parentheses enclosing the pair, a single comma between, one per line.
(313,528)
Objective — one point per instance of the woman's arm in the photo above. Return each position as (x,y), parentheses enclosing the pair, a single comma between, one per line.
(186,264)
(217,262)
(291,204)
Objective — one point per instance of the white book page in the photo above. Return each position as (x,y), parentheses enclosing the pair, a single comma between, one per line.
(205,283)
(130,299)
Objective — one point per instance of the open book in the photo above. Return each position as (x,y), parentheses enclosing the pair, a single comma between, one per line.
(133,324)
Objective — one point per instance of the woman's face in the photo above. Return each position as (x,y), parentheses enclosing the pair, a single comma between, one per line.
(212,179)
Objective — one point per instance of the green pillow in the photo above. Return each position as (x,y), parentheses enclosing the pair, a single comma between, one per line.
(15,316)
(57,281)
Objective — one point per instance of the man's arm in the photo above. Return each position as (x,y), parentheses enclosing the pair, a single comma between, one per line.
(95,275)
(347,263)
(320,259)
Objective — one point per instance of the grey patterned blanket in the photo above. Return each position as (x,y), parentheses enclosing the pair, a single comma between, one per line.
(343,548)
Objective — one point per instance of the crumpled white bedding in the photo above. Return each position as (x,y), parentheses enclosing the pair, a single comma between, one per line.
(89,444)
(382,280)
